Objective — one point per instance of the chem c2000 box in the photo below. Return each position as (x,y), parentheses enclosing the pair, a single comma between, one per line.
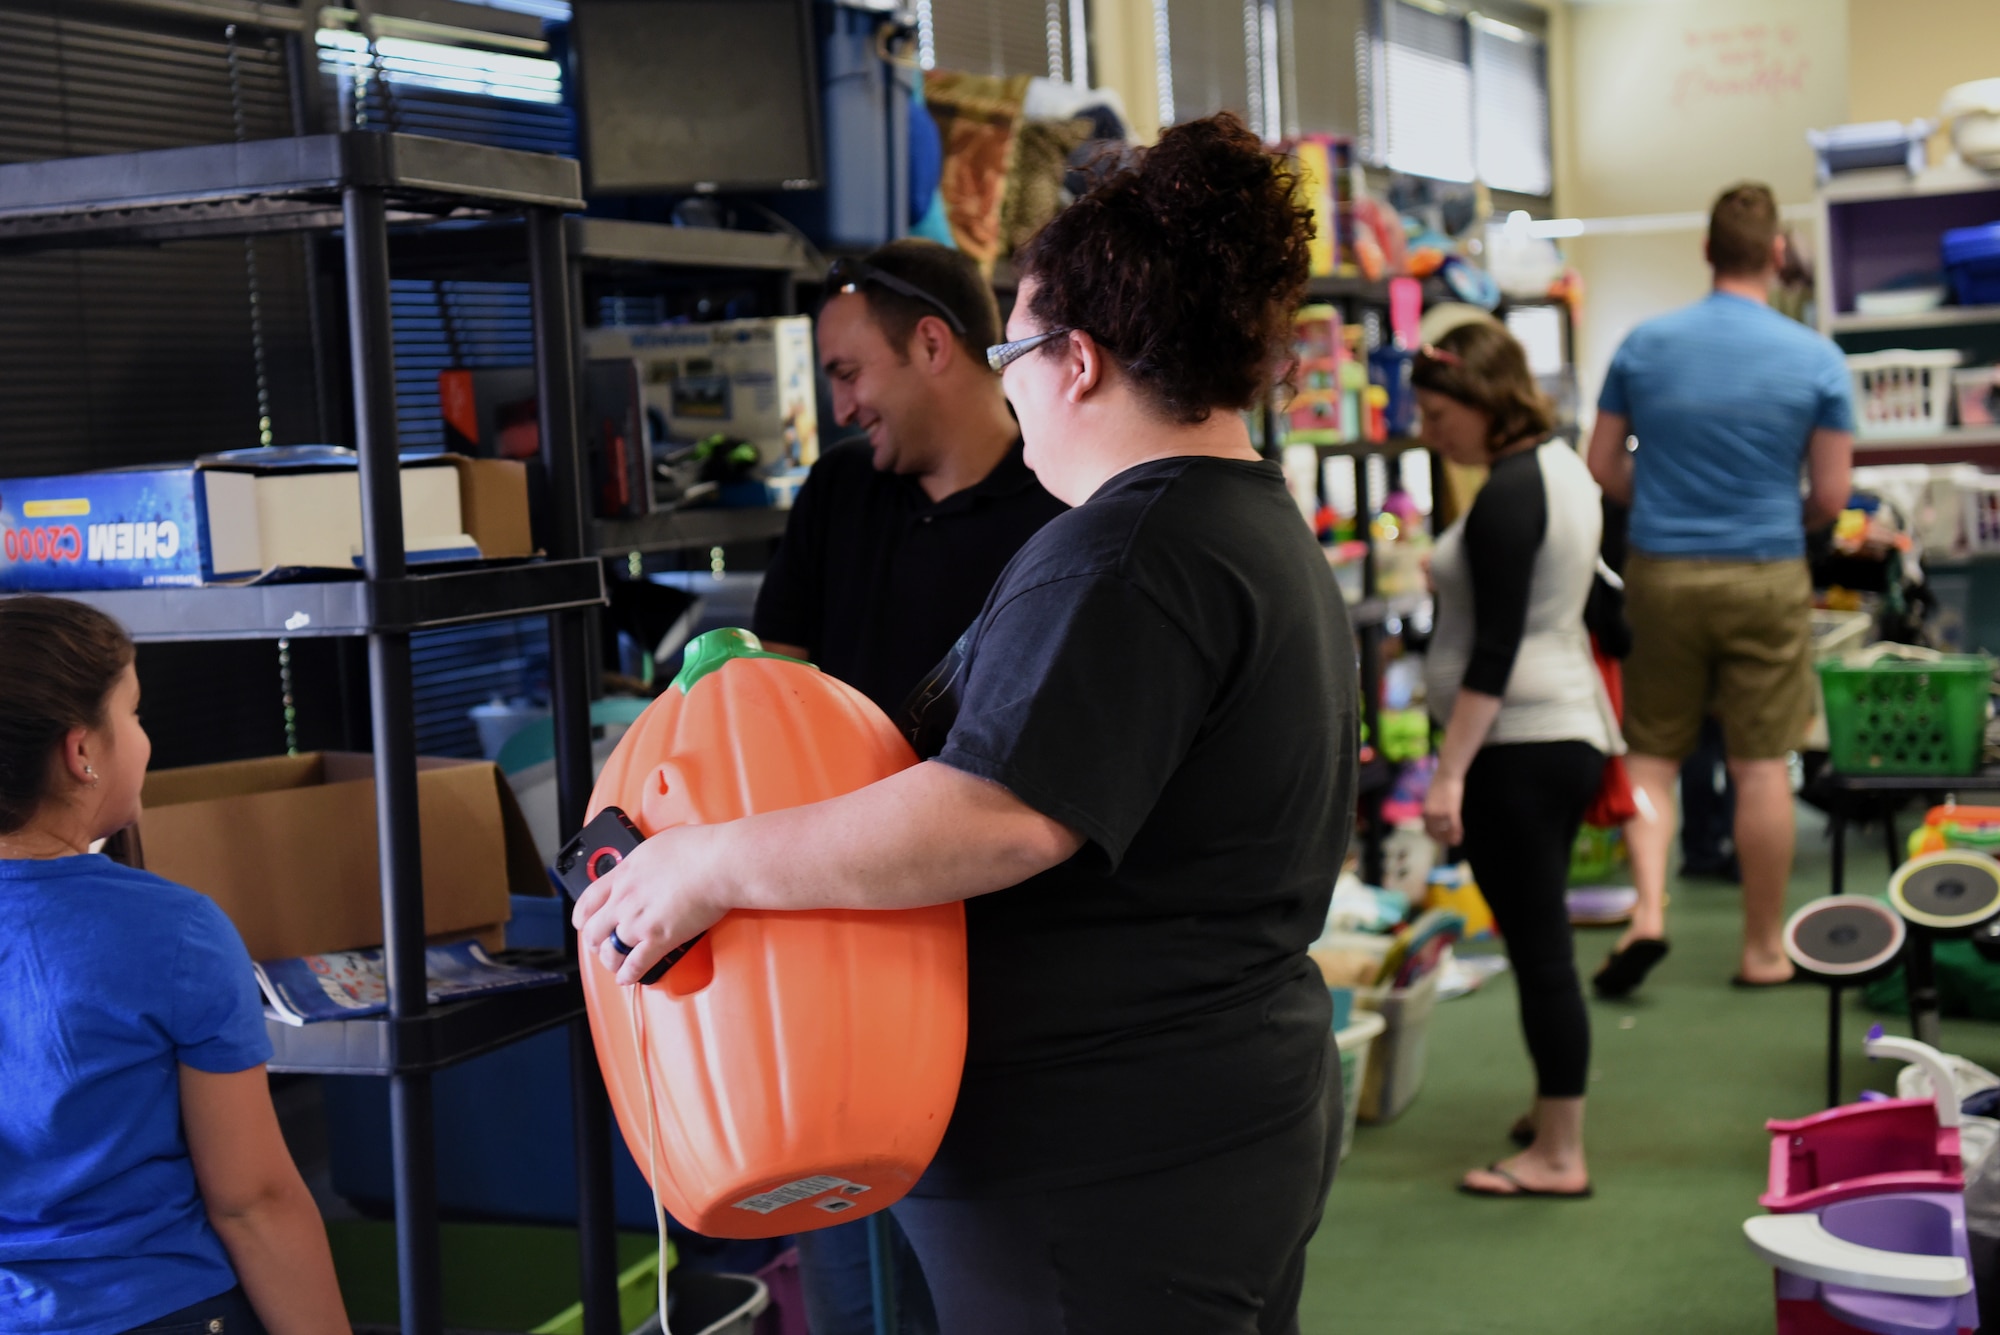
(230,521)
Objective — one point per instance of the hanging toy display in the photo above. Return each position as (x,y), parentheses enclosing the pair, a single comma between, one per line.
(788,1071)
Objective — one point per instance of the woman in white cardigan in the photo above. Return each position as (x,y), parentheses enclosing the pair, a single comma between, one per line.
(1527,723)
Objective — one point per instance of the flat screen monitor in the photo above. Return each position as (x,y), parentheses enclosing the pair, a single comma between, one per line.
(696,95)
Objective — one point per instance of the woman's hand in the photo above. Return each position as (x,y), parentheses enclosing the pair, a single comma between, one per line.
(1442,803)
(659,897)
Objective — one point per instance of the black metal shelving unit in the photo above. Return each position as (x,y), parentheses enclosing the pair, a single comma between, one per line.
(1374,618)
(360,184)
(619,254)
(687,530)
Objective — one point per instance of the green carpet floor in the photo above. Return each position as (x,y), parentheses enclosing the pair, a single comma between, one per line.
(1682,1078)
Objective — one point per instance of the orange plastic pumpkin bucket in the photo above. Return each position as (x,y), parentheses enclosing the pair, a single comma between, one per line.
(803,1065)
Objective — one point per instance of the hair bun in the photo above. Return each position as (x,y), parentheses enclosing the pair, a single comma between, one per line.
(1186,262)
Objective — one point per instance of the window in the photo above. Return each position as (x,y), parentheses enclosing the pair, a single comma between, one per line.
(1458,96)
(1224,55)
(1205,57)
(1425,94)
(1002,37)
(487,78)
(1510,83)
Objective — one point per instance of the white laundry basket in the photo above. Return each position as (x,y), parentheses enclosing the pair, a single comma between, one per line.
(1902,392)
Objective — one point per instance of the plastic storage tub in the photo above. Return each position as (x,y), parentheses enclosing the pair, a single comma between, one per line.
(1972,263)
(1355,1041)
(1903,392)
(508,1156)
(1395,1068)
(1899,717)
(1869,144)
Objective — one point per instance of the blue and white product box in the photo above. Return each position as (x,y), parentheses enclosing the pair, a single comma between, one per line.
(129,528)
(751,379)
(191,525)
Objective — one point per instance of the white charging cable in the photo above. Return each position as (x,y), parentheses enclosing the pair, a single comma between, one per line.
(644,1053)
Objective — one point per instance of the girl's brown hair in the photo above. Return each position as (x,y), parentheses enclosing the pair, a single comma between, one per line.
(1482,366)
(58,662)
(1185,262)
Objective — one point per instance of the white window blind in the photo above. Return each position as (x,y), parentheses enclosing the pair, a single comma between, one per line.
(454,69)
(1211,52)
(1511,107)
(1038,37)
(1454,96)
(1425,97)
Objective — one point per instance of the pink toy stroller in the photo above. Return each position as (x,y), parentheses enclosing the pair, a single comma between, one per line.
(1867,1230)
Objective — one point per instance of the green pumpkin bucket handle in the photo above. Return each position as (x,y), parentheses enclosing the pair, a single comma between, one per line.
(708,652)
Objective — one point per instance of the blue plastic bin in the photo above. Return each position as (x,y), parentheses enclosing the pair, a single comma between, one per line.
(504,1144)
(1972,262)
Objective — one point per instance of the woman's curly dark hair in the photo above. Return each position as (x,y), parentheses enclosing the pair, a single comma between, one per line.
(1186,264)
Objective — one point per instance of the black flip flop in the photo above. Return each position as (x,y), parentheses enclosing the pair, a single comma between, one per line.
(1521,1190)
(1623,970)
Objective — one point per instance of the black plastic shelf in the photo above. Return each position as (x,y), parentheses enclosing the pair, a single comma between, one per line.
(1356,288)
(269,185)
(617,241)
(493,248)
(1372,612)
(687,530)
(350,607)
(442,1036)
(362,183)
(1394,445)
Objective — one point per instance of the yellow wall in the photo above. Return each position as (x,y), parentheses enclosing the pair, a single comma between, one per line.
(1673,100)
(1122,58)
(1906,53)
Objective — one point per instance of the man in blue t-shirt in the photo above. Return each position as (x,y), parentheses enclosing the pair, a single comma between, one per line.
(1730,403)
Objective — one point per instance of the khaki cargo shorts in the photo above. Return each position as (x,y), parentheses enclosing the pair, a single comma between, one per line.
(1729,638)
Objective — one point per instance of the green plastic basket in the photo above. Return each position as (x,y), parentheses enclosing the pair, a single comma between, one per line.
(1898,717)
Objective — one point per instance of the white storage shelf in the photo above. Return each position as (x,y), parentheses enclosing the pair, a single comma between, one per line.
(1944,317)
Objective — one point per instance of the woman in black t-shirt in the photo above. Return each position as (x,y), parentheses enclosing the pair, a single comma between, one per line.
(1140,774)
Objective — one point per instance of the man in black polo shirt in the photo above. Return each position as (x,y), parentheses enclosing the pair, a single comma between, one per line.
(891,549)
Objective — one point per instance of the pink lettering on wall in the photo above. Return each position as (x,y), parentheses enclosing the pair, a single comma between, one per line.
(1749,60)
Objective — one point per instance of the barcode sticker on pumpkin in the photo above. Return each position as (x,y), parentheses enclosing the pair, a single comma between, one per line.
(793,1192)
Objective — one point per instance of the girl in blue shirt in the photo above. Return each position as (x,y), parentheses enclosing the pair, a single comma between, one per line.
(144,1185)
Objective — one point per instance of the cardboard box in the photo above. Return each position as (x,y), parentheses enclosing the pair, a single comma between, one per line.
(223,522)
(286,845)
(751,379)
(493,505)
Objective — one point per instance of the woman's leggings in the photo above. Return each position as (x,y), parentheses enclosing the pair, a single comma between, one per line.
(1523,804)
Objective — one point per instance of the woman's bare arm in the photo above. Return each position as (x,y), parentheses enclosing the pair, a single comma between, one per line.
(929,835)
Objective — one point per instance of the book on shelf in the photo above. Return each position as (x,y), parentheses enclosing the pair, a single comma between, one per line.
(351,984)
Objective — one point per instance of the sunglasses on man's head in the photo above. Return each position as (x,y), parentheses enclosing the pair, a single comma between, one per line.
(848,276)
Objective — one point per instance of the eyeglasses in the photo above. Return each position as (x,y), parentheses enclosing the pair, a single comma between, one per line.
(1003,355)
(848,275)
